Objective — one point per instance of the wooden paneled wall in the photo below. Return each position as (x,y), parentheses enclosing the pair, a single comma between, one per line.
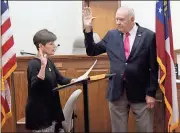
(74,66)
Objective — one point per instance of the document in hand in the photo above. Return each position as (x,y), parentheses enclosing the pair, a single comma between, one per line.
(85,76)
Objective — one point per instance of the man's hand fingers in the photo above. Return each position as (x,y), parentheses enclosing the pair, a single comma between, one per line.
(150,101)
(150,105)
(87,11)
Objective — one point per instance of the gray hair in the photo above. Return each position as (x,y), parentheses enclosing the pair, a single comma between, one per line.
(43,37)
(129,10)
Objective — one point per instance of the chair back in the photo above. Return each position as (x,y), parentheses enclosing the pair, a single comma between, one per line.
(69,109)
(79,46)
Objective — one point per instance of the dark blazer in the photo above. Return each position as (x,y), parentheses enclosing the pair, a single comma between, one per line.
(140,69)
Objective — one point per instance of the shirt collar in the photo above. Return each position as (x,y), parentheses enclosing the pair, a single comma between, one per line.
(133,30)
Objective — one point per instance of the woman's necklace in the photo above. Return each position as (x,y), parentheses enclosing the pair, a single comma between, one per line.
(48,65)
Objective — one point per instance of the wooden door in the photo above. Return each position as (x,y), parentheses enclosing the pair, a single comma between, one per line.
(104,11)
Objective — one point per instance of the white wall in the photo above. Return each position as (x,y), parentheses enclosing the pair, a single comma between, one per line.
(64,18)
(145,16)
(61,17)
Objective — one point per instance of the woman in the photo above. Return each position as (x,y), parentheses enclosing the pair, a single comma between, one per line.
(43,108)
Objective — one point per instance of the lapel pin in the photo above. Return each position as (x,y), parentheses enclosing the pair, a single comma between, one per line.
(139,35)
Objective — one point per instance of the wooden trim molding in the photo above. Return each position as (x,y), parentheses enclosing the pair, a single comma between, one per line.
(86,3)
(64,57)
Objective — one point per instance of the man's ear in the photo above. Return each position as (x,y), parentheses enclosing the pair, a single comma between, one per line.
(132,19)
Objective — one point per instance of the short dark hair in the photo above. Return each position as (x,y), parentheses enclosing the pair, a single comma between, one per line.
(43,36)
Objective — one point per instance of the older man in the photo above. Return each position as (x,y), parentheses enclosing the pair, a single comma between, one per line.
(132,53)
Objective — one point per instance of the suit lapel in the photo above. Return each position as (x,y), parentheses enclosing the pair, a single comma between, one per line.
(136,44)
(120,45)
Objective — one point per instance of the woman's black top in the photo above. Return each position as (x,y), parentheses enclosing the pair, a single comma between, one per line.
(43,105)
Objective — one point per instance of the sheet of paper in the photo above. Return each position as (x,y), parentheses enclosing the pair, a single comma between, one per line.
(178,61)
(85,75)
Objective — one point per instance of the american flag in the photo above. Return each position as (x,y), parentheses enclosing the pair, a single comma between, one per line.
(165,53)
(8,62)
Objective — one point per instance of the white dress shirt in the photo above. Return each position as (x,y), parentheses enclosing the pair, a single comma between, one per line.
(132,35)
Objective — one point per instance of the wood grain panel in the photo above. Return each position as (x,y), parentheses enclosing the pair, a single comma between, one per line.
(98,104)
(104,11)
(159,120)
(21,91)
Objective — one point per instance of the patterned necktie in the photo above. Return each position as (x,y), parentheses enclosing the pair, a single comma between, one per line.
(127,45)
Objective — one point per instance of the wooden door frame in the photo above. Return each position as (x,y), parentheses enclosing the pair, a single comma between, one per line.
(85,3)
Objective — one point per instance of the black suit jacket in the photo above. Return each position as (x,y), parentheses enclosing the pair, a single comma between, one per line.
(140,69)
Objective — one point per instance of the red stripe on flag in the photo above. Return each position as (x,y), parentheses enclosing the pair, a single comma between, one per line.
(160,40)
(5,104)
(5,26)
(2,99)
(160,44)
(7,45)
(9,65)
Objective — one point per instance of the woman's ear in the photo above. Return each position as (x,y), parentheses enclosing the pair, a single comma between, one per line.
(40,45)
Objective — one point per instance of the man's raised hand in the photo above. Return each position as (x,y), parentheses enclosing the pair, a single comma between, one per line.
(87,17)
